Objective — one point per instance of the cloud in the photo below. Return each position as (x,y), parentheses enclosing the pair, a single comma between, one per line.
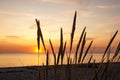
(66,1)
(108,6)
(13,37)
(8,12)
(59,1)
(33,27)
(90,38)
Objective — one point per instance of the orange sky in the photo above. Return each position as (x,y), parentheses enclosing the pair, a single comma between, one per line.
(18,27)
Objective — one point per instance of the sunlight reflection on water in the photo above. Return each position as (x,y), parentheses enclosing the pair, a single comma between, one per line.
(21,59)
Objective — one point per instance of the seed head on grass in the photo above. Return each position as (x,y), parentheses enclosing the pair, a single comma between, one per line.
(38,33)
(73,30)
(38,43)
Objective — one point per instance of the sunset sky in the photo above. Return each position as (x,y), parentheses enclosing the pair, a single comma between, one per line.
(18,27)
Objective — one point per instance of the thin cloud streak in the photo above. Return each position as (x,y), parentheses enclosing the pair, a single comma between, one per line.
(8,12)
(13,37)
(65,1)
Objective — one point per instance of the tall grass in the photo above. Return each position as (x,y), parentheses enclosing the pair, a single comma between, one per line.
(61,47)
(108,46)
(78,45)
(63,53)
(82,48)
(73,31)
(87,51)
(38,43)
(98,71)
(53,51)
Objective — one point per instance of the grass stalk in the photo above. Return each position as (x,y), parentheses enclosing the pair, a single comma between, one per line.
(116,52)
(47,64)
(82,48)
(38,44)
(53,51)
(89,61)
(62,56)
(87,51)
(78,45)
(73,31)
(109,43)
(61,47)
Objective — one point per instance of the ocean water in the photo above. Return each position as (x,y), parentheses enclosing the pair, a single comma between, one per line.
(31,59)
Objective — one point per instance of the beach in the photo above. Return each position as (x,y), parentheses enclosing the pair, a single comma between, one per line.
(80,72)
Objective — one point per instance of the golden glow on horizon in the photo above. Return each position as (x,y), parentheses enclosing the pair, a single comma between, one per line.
(18,27)
(36,50)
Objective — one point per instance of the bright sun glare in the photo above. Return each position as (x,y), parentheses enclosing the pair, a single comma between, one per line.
(36,50)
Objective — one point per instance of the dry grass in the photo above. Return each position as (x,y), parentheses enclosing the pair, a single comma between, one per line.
(99,72)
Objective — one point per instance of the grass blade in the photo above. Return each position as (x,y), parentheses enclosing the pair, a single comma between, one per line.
(62,56)
(38,37)
(38,43)
(53,51)
(78,45)
(40,33)
(47,58)
(90,59)
(82,48)
(87,51)
(47,63)
(109,43)
(117,51)
(61,47)
(73,30)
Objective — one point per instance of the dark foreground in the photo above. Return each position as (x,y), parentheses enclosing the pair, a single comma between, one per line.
(62,72)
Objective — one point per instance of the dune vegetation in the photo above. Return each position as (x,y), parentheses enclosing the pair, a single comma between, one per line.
(76,69)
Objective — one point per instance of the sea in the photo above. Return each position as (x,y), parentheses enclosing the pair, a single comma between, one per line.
(31,59)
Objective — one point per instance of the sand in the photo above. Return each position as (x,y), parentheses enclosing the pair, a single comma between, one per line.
(78,72)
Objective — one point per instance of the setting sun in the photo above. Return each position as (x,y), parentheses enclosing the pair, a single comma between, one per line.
(36,50)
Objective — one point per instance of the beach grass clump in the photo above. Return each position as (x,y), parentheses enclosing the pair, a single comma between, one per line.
(96,71)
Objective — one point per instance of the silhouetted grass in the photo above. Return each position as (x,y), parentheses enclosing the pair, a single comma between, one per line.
(87,51)
(89,61)
(38,43)
(61,47)
(109,44)
(82,48)
(117,51)
(99,72)
(53,51)
(62,56)
(78,45)
(47,64)
(73,31)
